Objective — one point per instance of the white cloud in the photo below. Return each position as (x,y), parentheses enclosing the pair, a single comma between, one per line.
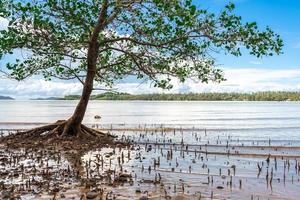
(238,80)
(255,62)
(251,80)
(33,88)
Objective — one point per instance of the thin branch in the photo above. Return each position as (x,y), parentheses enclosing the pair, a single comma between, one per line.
(75,75)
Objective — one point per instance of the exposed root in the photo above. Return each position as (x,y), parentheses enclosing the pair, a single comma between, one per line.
(57,132)
(93,132)
(63,136)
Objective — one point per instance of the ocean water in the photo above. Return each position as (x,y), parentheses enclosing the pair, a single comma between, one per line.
(279,120)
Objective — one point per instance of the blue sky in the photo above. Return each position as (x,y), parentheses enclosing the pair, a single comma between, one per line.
(283,16)
(244,74)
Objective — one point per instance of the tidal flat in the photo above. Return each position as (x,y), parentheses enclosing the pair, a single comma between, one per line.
(159,162)
(174,150)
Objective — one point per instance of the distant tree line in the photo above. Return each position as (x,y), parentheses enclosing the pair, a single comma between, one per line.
(256,96)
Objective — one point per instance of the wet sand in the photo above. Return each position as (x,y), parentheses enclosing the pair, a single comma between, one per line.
(161,163)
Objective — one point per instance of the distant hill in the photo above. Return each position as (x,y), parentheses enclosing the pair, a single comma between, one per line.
(6,98)
(255,96)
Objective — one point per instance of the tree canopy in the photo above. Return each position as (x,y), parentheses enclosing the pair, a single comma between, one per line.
(149,39)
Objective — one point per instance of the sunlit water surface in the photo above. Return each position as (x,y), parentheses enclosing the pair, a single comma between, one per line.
(281,120)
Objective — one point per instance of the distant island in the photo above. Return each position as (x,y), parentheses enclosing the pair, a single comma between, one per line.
(256,96)
(6,98)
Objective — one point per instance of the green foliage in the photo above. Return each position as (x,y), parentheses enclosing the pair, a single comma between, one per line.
(155,40)
(257,96)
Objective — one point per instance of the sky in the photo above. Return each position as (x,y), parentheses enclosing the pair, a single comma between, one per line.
(243,74)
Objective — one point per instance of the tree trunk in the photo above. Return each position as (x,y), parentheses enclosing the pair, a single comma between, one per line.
(73,125)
